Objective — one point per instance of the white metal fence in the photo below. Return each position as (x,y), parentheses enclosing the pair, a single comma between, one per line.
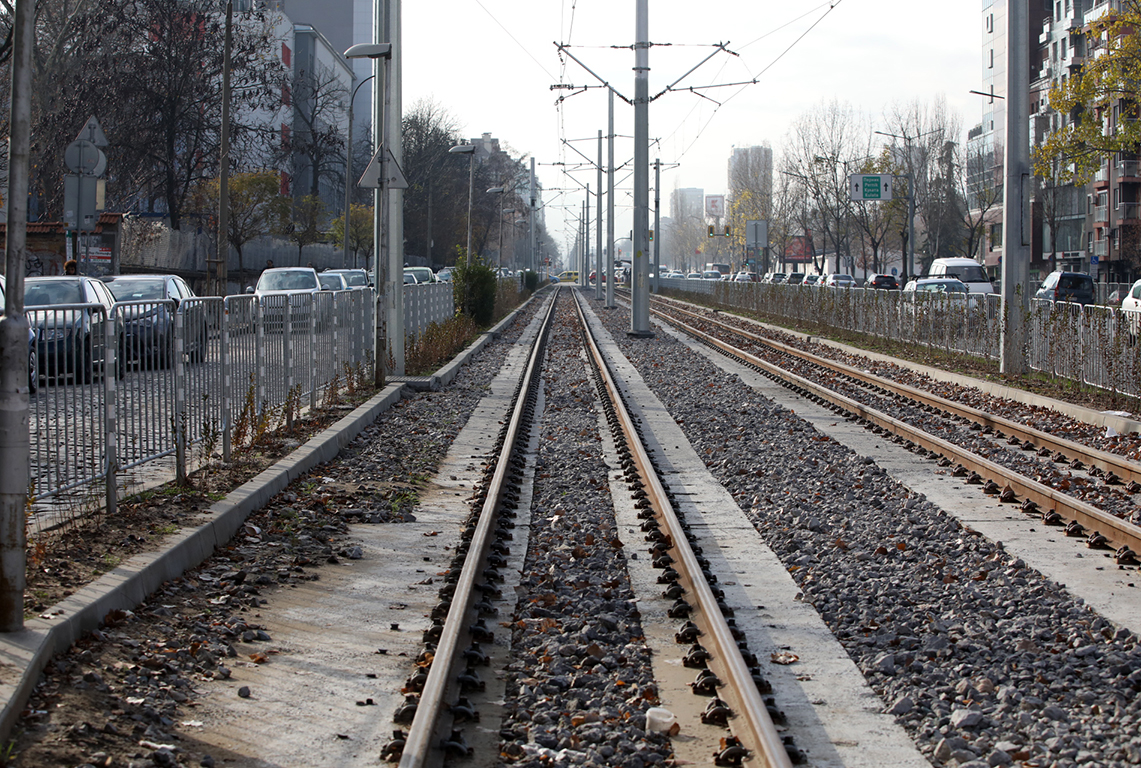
(1093,345)
(203,374)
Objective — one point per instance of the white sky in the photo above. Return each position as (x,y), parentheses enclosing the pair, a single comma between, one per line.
(490,64)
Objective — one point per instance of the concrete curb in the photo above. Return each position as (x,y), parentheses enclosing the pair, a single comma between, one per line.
(24,654)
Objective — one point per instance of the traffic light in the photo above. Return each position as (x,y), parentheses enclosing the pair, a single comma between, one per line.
(726,230)
(711,230)
(651,235)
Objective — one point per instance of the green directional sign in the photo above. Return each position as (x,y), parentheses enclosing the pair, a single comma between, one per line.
(870,186)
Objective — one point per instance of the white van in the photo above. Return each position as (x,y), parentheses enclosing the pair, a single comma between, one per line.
(967,270)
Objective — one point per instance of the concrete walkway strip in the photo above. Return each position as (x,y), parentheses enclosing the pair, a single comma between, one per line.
(25,653)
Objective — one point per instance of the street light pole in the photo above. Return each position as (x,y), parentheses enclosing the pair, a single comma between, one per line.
(349,175)
(469,150)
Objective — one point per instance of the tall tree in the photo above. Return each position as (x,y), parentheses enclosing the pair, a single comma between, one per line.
(359,231)
(256,206)
(316,144)
(1098,105)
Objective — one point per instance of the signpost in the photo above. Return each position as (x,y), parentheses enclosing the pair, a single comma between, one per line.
(83,188)
(870,186)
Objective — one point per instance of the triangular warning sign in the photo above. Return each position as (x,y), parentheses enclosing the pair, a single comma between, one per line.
(93,132)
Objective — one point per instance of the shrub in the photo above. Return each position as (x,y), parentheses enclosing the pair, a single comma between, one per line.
(474,285)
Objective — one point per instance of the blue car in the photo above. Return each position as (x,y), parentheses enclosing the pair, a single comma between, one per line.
(149,304)
(33,357)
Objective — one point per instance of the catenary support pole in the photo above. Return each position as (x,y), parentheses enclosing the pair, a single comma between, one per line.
(657,224)
(610,203)
(640,312)
(14,441)
(533,263)
(599,268)
(395,144)
(1016,191)
(222,274)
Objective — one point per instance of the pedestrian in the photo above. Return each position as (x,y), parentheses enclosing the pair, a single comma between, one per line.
(70,267)
(269,263)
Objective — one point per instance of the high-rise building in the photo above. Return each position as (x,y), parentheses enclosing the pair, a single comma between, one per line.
(751,170)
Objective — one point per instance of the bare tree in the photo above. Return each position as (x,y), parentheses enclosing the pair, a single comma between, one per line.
(316,145)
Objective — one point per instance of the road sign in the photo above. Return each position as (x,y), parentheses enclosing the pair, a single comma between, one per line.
(93,132)
(756,233)
(394,177)
(715,206)
(870,186)
(1093,260)
(82,156)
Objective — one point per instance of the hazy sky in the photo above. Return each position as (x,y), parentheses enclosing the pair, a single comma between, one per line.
(491,65)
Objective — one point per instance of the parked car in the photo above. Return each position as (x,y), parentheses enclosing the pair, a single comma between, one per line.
(354,278)
(278,285)
(70,332)
(1076,287)
(693,276)
(813,280)
(742,277)
(444,275)
(884,282)
(774,278)
(711,274)
(410,279)
(840,281)
(150,303)
(1131,307)
(33,354)
(424,274)
(969,271)
(936,288)
(332,281)
(794,278)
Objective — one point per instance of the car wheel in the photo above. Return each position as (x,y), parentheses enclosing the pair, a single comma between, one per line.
(33,372)
(121,360)
(198,353)
(86,367)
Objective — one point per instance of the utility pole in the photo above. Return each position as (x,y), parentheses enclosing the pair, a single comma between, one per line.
(534,264)
(1016,191)
(610,204)
(395,194)
(657,223)
(640,311)
(14,420)
(598,268)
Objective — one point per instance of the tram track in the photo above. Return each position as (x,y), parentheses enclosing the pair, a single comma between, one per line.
(820,379)
(447,670)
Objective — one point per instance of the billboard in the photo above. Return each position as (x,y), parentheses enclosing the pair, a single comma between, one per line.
(799,249)
(714,206)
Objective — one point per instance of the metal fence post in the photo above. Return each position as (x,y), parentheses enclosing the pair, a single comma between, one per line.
(287,359)
(314,307)
(110,426)
(180,414)
(259,352)
(227,390)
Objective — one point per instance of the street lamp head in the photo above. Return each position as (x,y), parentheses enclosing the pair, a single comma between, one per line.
(463,149)
(369,51)
(495,189)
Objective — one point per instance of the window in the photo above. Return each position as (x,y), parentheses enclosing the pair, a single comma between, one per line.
(990,54)
(1116,198)
(286,55)
(990,22)
(1064,53)
(1058,10)
(995,236)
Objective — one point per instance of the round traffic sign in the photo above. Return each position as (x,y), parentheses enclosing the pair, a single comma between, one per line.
(81,156)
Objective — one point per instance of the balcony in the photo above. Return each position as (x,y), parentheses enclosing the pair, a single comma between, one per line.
(1101,215)
(1129,211)
(1129,171)
(1101,178)
(1101,248)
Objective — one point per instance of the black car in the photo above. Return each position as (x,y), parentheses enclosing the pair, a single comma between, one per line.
(150,303)
(884,282)
(69,314)
(33,354)
(1076,287)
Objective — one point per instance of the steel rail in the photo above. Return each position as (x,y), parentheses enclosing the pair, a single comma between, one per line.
(751,724)
(1119,531)
(1125,469)
(422,744)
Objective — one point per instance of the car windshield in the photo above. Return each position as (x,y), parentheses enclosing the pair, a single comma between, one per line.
(354,279)
(1074,282)
(968,273)
(300,280)
(421,275)
(48,293)
(331,282)
(136,290)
